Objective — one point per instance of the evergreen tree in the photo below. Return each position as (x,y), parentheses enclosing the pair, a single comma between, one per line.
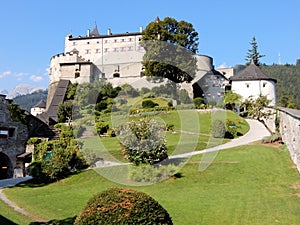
(253,54)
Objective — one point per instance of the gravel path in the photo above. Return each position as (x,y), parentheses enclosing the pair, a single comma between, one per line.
(12,182)
(256,132)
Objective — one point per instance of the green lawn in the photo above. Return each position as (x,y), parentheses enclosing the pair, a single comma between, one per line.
(192,133)
(252,184)
(10,217)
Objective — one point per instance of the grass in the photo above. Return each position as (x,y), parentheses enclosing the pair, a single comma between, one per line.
(10,217)
(254,184)
(193,131)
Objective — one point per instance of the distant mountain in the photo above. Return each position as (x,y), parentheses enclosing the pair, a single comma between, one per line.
(29,100)
(23,89)
(3,92)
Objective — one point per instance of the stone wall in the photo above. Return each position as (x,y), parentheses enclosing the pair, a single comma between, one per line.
(290,131)
(13,138)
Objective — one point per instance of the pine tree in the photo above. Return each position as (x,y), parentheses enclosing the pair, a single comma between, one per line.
(253,54)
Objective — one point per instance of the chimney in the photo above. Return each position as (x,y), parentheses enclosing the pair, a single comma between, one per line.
(141,29)
(108,31)
(88,33)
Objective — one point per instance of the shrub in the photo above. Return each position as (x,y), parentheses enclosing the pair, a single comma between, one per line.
(218,129)
(101,127)
(143,141)
(148,173)
(122,206)
(198,101)
(148,104)
(231,129)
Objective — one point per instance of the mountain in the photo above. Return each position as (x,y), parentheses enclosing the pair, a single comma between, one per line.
(3,92)
(29,100)
(23,89)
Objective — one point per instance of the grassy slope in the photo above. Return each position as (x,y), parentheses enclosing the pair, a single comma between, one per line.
(185,120)
(246,185)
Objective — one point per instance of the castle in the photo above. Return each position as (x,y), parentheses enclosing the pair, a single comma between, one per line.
(118,58)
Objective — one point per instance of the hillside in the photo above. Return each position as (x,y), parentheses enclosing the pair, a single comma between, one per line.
(28,101)
(288,83)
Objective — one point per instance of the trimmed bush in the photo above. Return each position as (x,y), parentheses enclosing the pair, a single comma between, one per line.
(122,206)
(149,104)
(218,129)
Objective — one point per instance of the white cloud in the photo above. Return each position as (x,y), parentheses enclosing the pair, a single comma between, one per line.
(5,73)
(222,66)
(36,78)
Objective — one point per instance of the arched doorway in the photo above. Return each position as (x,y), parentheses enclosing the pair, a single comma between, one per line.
(197,90)
(5,166)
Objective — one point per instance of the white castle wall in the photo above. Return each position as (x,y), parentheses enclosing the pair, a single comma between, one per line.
(254,88)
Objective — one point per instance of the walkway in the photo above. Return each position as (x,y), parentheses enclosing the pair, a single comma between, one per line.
(256,132)
(12,182)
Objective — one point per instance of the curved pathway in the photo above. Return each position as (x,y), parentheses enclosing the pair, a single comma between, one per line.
(256,132)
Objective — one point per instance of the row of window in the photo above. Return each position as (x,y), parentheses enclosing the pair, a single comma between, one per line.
(121,49)
(248,85)
(122,40)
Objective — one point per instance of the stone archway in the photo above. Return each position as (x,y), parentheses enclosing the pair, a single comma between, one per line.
(5,166)
(197,90)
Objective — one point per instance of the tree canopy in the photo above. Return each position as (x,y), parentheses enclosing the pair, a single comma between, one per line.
(170,47)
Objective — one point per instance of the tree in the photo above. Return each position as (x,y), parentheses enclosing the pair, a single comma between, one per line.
(170,47)
(253,54)
(231,99)
(143,141)
(65,111)
(255,108)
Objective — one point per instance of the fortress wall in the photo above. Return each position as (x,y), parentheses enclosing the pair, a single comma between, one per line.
(290,131)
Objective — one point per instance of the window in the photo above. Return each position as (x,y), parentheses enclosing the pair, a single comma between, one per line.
(122,49)
(11,132)
(122,40)
(115,49)
(97,42)
(106,50)
(87,51)
(74,43)
(264,84)
(88,43)
(116,75)
(98,50)
(129,39)
(115,40)
(105,41)
(130,48)
(247,85)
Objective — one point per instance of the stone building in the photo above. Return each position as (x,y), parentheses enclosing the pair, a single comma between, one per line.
(116,58)
(13,138)
(253,82)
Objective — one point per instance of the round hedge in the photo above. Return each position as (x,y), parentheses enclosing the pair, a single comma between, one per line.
(123,206)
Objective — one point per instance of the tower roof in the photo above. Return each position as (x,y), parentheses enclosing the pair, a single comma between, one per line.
(251,72)
(95,31)
(40,104)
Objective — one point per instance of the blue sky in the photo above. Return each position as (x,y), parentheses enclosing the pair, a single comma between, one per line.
(33,31)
